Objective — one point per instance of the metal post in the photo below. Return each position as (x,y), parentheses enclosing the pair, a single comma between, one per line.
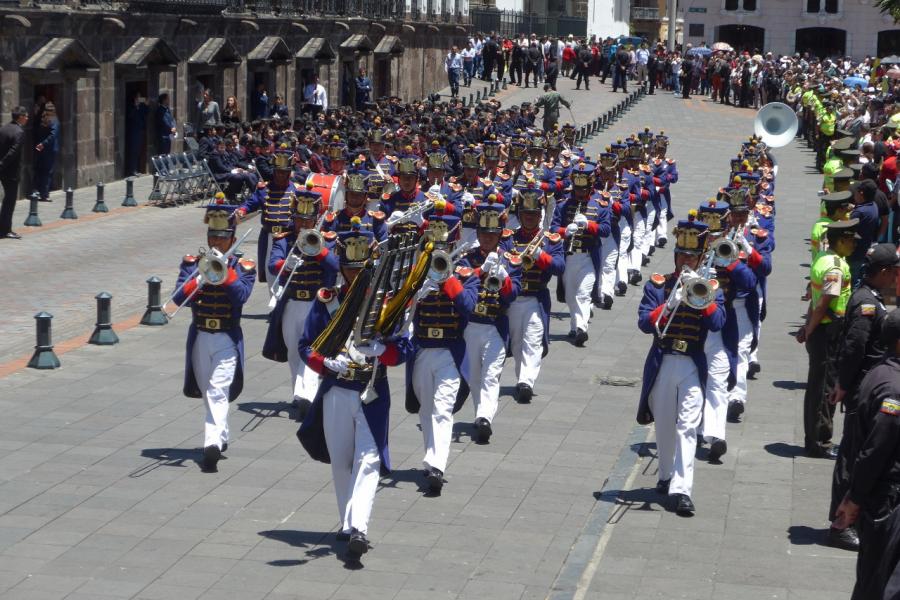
(477,95)
(504,83)
(103,334)
(44,357)
(33,220)
(69,211)
(154,314)
(100,205)
(129,192)
(471,99)
(672,14)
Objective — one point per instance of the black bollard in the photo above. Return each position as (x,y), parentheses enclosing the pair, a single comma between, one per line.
(33,220)
(69,211)
(504,83)
(129,192)
(477,95)
(597,124)
(100,205)
(44,357)
(103,334)
(471,99)
(155,194)
(154,314)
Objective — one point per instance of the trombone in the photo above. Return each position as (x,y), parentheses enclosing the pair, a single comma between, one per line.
(699,292)
(309,242)
(212,268)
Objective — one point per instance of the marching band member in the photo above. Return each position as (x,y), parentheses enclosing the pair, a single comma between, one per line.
(405,197)
(470,187)
(529,313)
(337,156)
(301,276)
(622,203)
(639,198)
(274,200)
(487,332)
(340,429)
(675,369)
(582,221)
(434,370)
(377,158)
(214,362)
(355,202)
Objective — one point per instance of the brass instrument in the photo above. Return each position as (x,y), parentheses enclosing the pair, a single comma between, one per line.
(571,245)
(417,209)
(442,262)
(725,250)
(309,242)
(492,282)
(699,293)
(212,268)
(526,254)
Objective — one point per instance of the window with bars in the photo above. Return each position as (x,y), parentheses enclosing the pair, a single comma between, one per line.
(830,7)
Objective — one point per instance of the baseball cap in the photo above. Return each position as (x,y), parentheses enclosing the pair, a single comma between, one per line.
(882,255)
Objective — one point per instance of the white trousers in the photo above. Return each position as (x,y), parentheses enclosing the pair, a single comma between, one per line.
(435,381)
(485,355)
(649,230)
(305,380)
(662,228)
(579,278)
(638,233)
(745,340)
(676,401)
(609,256)
(526,337)
(624,262)
(214,358)
(715,410)
(754,355)
(355,463)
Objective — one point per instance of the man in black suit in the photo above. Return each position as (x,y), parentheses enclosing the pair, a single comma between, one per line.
(11,137)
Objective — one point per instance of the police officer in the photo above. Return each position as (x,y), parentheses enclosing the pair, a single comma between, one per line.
(434,370)
(214,365)
(542,257)
(675,368)
(860,350)
(836,207)
(871,501)
(340,429)
(830,292)
(274,201)
(298,270)
(487,333)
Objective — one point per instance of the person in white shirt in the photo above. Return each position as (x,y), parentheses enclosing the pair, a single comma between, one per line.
(642,56)
(468,56)
(315,98)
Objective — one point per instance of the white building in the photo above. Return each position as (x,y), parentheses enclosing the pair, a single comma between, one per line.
(608,18)
(820,27)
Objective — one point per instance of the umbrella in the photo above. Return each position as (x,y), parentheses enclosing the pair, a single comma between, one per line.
(726,48)
(855,81)
(893,59)
(893,73)
(700,51)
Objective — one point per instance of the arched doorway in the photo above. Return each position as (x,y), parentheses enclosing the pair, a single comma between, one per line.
(824,42)
(888,42)
(742,37)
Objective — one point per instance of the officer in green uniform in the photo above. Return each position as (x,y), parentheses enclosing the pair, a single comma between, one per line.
(550,102)
(829,294)
(837,207)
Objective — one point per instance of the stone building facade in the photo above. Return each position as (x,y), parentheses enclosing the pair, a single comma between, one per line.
(91,60)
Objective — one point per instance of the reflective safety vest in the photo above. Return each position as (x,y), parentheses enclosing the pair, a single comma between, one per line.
(825,263)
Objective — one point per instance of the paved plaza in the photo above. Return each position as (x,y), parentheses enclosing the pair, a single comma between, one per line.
(101,496)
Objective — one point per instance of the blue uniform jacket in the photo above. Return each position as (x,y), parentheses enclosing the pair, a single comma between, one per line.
(598,223)
(738,280)
(315,273)
(377,412)
(711,319)
(224,301)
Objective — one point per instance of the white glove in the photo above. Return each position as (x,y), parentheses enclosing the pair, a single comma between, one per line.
(395,218)
(290,262)
(580,220)
(468,199)
(339,364)
(674,300)
(435,190)
(502,273)
(571,229)
(742,242)
(371,349)
(536,254)
(490,261)
(428,287)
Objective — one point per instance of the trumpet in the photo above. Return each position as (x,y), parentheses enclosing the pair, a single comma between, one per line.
(415,210)
(492,282)
(442,262)
(212,268)
(309,243)
(571,245)
(527,253)
(698,292)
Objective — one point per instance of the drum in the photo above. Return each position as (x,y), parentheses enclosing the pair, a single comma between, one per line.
(332,189)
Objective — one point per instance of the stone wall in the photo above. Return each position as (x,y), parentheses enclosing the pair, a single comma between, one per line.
(91,102)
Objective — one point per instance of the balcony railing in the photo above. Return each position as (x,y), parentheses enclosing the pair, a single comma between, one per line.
(647,13)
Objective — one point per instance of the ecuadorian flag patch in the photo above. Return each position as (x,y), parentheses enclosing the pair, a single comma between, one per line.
(867,310)
(890,406)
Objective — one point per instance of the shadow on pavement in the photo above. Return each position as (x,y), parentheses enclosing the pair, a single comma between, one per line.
(789,385)
(785,450)
(320,543)
(262,411)
(801,535)
(166,457)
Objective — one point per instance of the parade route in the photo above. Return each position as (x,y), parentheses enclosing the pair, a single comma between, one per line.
(101,496)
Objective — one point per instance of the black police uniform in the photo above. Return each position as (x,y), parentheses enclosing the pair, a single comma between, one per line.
(875,482)
(861,349)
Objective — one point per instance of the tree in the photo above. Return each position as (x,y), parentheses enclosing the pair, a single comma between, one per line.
(891,7)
